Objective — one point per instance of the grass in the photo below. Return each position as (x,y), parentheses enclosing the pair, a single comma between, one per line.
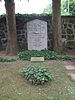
(14,87)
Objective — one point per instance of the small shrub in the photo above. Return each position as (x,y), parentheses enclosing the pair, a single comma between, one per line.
(6,59)
(26,55)
(67,57)
(37,75)
(47,54)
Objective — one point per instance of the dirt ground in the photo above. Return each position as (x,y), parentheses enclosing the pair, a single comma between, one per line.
(68,52)
(3,54)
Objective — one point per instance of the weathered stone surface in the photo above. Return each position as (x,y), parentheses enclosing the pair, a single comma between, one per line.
(37,59)
(37,34)
(70,67)
(68,30)
(72,75)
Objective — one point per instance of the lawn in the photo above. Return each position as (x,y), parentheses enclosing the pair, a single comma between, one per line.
(14,87)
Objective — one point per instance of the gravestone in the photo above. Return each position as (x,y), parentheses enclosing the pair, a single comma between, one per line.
(37,59)
(37,35)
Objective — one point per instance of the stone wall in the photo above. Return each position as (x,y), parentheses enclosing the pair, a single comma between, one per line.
(68,30)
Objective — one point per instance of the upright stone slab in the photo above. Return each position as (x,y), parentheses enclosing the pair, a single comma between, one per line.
(37,34)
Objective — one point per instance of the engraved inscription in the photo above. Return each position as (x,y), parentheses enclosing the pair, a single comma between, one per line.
(37,34)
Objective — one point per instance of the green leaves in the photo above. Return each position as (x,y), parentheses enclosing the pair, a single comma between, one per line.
(47,54)
(67,57)
(26,55)
(37,75)
(6,60)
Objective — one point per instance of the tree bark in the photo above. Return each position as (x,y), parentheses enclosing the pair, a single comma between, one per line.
(12,44)
(56,25)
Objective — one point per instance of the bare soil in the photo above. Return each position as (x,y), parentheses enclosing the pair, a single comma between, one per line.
(3,54)
(70,52)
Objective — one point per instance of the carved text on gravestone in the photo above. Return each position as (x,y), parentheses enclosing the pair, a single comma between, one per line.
(37,34)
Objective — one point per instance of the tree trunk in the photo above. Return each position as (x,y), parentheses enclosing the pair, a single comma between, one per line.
(56,25)
(12,44)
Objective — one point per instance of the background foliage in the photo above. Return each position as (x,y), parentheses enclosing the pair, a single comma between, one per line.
(64,8)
